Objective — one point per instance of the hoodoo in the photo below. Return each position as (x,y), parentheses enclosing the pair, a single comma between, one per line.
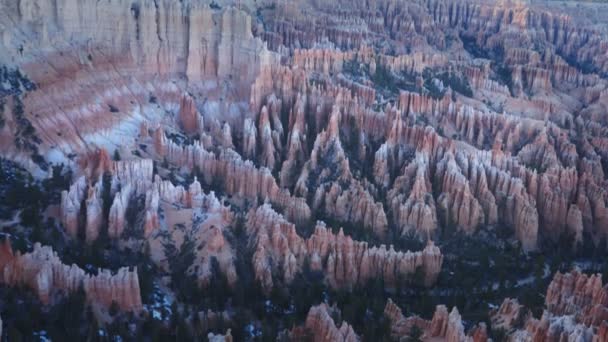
(303,170)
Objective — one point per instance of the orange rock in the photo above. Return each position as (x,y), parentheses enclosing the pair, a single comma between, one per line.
(188,115)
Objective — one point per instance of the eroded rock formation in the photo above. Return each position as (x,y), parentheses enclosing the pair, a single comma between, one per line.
(320,326)
(390,119)
(44,273)
(344,262)
(575,310)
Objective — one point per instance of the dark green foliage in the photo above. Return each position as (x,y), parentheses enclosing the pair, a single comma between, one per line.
(24,317)
(113,109)
(503,74)
(585,66)
(26,138)
(179,138)
(498,335)
(17,81)
(363,309)
(415,334)
(432,89)
(2,121)
(458,83)
(40,161)
(354,69)
(19,192)
(134,217)
(114,309)
(409,242)
(135,10)
(386,83)
(214,5)
(389,84)
(383,78)
(470,45)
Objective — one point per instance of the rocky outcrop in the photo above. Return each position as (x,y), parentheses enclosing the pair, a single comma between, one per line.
(510,315)
(417,211)
(44,273)
(118,210)
(579,295)
(546,68)
(554,328)
(344,262)
(71,201)
(319,326)
(447,326)
(444,326)
(337,192)
(116,65)
(192,222)
(188,115)
(401,326)
(575,310)
(457,203)
(220,338)
(237,177)
(320,60)
(94,214)
(393,118)
(133,177)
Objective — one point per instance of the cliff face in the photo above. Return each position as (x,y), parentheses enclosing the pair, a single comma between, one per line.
(158,37)
(44,273)
(102,68)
